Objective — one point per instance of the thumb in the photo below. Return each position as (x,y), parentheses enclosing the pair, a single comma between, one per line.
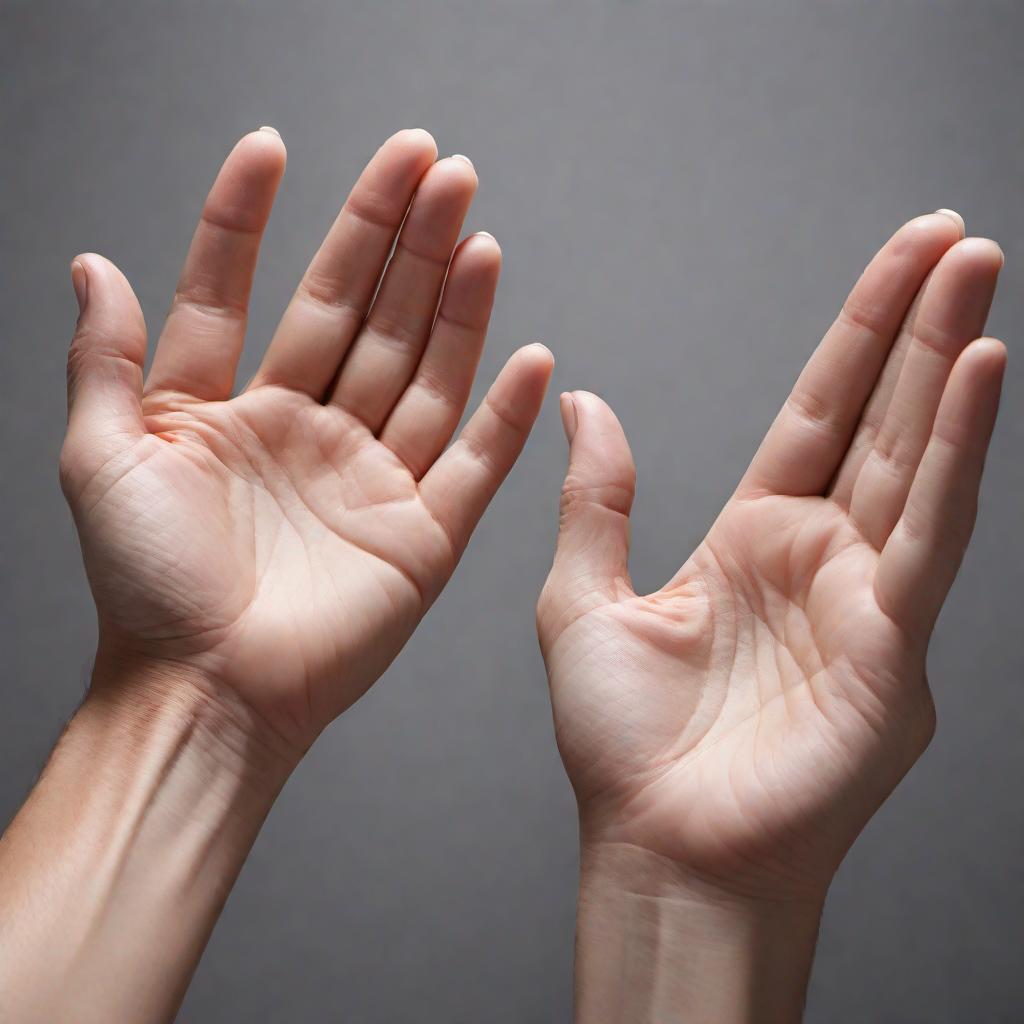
(104,370)
(592,556)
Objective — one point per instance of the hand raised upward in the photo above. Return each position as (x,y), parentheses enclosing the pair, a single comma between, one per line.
(744,722)
(282,544)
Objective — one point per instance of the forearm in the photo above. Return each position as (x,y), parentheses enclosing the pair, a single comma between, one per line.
(114,872)
(652,946)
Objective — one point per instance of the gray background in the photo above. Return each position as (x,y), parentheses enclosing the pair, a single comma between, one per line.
(684,192)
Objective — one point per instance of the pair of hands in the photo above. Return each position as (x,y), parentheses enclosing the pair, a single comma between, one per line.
(275,550)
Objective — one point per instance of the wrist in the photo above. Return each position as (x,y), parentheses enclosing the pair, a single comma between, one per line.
(121,859)
(136,695)
(656,943)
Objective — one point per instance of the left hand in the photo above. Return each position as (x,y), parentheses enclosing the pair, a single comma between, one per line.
(741,724)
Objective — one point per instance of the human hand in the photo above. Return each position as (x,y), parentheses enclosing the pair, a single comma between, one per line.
(281,546)
(728,736)
(747,719)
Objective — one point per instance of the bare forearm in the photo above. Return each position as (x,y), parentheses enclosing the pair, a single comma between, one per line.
(652,946)
(114,872)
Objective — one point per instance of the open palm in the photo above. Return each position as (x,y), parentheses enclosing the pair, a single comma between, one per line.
(746,720)
(285,542)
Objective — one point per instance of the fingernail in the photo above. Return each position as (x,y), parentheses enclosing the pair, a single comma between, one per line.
(459,156)
(80,282)
(271,130)
(569,419)
(955,218)
(485,234)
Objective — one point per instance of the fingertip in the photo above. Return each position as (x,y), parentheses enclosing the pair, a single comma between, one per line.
(101,272)
(465,165)
(484,240)
(264,150)
(481,250)
(981,253)
(539,358)
(955,217)
(420,137)
(601,463)
(605,436)
(444,192)
(971,395)
(455,173)
(415,141)
(930,234)
(525,377)
(242,193)
(105,296)
(87,258)
(990,351)
(592,404)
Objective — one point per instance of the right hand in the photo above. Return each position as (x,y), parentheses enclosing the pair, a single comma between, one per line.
(280,546)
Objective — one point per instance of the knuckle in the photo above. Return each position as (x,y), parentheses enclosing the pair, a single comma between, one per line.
(810,407)
(612,495)
(79,355)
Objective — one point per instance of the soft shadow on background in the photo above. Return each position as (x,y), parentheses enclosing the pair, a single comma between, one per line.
(684,192)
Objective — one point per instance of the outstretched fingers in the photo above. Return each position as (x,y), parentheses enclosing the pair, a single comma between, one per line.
(810,436)
(920,559)
(328,308)
(382,361)
(202,340)
(461,483)
(841,489)
(426,415)
(952,314)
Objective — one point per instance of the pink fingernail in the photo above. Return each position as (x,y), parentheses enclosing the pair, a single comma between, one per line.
(570,420)
(80,282)
(955,218)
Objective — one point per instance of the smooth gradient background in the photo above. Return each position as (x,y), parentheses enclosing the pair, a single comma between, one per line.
(684,193)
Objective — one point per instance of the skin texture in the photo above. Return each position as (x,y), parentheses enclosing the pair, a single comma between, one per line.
(257,560)
(283,544)
(734,731)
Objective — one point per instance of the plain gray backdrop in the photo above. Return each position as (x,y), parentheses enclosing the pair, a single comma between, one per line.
(684,193)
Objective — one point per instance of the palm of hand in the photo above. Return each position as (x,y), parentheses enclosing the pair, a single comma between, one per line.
(745,698)
(747,719)
(272,539)
(285,542)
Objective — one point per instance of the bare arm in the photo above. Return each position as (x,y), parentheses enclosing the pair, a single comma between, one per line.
(257,559)
(114,872)
(729,735)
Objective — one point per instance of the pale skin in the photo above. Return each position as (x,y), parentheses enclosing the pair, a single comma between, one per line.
(257,558)
(729,735)
(260,554)
(286,542)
